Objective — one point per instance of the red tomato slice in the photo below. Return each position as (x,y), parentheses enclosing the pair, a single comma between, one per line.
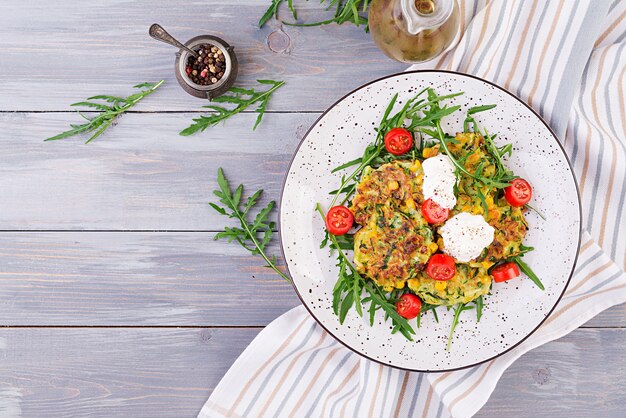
(339,220)
(518,193)
(434,213)
(441,267)
(409,306)
(398,141)
(504,272)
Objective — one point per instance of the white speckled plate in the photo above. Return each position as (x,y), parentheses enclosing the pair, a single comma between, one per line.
(515,309)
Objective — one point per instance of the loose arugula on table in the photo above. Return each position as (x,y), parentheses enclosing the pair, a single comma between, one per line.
(110,107)
(345,11)
(241,97)
(253,235)
(422,115)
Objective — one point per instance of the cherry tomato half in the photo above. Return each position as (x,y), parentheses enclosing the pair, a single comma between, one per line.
(339,220)
(504,272)
(441,267)
(398,141)
(434,213)
(409,306)
(518,193)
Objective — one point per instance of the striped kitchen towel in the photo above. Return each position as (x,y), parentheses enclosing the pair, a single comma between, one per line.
(566,59)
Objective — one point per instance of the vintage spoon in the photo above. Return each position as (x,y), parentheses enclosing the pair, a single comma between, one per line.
(157,32)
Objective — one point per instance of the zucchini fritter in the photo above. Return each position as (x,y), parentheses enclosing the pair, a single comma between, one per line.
(395,241)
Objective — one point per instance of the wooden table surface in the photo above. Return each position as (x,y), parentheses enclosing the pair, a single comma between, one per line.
(114,298)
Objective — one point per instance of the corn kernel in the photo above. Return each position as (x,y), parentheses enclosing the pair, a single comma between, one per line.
(440,285)
(410,203)
(430,152)
(393,185)
(433,247)
(416,166)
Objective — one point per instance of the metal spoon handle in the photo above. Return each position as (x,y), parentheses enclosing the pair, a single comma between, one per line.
(157,32)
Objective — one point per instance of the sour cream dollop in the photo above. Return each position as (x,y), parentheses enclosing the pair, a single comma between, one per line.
(439,181)
(465,236)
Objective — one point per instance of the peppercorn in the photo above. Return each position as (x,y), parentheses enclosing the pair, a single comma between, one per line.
(209,67)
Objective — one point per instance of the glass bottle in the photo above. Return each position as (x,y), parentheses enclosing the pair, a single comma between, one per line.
(413,31)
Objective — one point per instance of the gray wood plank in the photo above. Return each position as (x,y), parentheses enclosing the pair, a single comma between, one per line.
(69,278)
(171,372)
(54,54)
(612,317)
(113,372)
(143,278)
(140,175)
(580,375)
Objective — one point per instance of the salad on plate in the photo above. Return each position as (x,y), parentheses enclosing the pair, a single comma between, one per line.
(426,220)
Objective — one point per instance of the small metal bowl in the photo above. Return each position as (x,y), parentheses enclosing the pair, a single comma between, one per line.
(213,90)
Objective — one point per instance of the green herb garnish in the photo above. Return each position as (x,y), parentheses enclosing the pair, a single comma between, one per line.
(541,215)
(243,98)
(527,271)
(479,303)
(425,308)
(252,235)
(502,176)
(273,11)
(345,11)
(110,107)
(458,309)
(420,111)
(469,119)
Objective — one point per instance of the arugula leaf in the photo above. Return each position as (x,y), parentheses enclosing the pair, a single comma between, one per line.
(458,309)
(541,215)
(251,235)
(425,308)
(479,303)
(271,11)
(528,271)
(108,113)
(243,98)
(345,11)
(471,111)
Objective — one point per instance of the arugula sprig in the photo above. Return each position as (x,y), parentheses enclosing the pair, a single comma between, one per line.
(502,176)
(345,11)
(470,119)
(253,235)
(528,271)
(110,107)
(458,310)
(272,10)
(350,287)
(425,308)
(419,111)
(243,98)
